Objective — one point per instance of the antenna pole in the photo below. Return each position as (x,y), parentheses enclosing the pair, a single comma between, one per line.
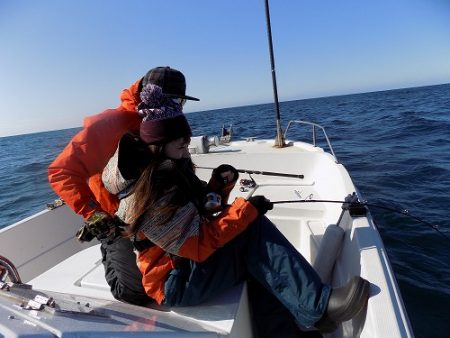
(279,140)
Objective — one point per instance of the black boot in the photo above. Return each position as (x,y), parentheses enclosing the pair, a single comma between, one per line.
(345,302)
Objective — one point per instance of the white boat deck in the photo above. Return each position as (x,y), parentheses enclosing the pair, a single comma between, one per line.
(81,276)
(83,273)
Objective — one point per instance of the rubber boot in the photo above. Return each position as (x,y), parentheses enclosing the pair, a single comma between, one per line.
(345,302)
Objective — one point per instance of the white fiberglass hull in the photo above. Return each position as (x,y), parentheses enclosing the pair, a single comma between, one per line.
(38,244)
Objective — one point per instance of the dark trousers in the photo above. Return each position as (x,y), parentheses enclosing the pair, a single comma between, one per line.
(121,271)
(284,290)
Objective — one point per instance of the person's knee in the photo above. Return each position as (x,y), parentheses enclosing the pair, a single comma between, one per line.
(124,294)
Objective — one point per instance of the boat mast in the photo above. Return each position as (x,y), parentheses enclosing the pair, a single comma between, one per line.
(279,140)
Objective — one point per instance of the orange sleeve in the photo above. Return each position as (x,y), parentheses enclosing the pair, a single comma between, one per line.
(219,231)
(156,261)
(75,175)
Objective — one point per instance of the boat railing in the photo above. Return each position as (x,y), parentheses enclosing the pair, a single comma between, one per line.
(7,269)
(314,126)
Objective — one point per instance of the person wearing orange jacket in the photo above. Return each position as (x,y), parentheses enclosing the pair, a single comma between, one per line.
(190,250)
(75,175)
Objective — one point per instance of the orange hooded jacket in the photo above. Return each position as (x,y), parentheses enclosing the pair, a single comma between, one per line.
(75,175)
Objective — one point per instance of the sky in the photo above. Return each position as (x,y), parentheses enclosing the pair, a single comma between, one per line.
(63,60)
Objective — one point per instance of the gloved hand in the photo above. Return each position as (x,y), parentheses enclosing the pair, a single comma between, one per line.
(225,174)
(261,203)
(101,226)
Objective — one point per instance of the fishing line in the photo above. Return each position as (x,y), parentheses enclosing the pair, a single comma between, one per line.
(402,212)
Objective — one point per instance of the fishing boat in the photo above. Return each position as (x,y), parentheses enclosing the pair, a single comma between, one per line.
(51,285)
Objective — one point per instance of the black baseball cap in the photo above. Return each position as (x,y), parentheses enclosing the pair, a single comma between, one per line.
(172,82)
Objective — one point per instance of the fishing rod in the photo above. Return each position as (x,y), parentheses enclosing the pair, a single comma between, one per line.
(259,172)
(357,203)
(354,204)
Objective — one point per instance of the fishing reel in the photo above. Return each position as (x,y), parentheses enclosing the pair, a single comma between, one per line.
(354,206)
(100,226)
(247,184)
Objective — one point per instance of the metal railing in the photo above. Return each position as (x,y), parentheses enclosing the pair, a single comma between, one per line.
(314,134)
(7,269)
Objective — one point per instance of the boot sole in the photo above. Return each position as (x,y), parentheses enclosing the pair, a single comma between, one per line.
(359,295)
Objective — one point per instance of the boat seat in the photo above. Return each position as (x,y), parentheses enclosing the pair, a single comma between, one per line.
(83,274)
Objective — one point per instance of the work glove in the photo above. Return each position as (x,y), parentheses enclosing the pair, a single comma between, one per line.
(101,226)
(261,203)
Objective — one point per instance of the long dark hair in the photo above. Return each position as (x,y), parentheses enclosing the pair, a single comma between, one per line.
(158,179)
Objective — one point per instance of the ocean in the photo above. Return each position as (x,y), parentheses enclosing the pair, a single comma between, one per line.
(395,144)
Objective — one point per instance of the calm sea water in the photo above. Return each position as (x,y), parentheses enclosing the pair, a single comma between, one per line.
(395,144)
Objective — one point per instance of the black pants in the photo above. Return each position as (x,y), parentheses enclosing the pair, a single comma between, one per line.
(122,273)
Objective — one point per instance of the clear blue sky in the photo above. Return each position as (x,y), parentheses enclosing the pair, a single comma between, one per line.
(61,60)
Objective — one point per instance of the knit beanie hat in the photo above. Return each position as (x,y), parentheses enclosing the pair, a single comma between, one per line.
(163,119)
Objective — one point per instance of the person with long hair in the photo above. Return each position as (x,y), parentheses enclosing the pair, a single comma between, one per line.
(190,250)
(75,176)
